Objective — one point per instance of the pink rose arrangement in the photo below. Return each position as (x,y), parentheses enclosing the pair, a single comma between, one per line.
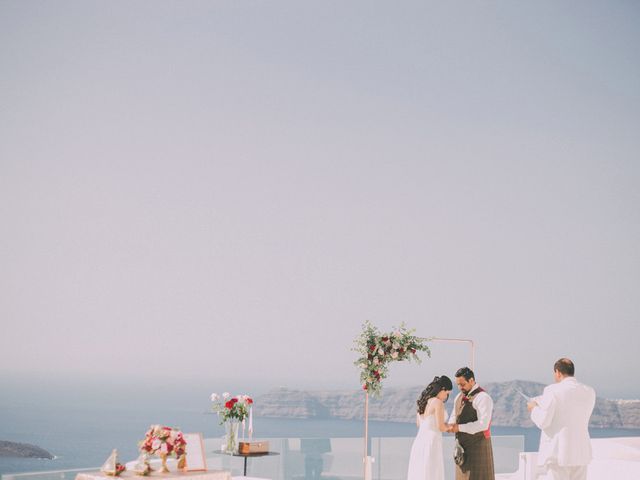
(163,440)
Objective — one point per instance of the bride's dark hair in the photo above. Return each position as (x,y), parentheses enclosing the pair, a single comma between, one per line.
(434,388)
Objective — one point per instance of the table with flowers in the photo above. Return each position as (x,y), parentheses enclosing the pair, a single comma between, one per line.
(232,412)
(161,441)
(208,475)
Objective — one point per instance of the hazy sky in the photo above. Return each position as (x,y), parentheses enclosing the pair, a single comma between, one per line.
(225,190)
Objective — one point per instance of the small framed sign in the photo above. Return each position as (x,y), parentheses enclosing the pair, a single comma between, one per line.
(196,459)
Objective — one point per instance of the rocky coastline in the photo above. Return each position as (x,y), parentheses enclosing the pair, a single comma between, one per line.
(398,405)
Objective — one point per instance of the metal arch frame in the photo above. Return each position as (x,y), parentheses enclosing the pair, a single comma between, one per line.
(459,340)
(366,396)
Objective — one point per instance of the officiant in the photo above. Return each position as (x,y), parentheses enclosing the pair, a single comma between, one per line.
(563,413)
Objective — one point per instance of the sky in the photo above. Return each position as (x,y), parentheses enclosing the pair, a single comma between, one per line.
(222,192)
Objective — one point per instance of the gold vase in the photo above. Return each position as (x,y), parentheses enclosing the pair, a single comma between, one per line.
(182,462)
(164,468)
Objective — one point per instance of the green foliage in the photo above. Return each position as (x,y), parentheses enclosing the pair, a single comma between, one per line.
(378,350)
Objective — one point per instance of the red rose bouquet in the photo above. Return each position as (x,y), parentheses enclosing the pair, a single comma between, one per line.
(228,407)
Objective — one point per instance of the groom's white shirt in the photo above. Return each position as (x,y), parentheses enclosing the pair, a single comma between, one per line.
(563,414)
(483,405)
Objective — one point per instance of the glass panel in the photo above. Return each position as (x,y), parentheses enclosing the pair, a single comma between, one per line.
(326,458)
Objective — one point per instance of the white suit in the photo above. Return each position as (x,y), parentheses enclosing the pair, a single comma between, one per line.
(563,414)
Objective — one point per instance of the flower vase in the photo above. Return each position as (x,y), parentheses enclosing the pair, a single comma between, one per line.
(231,437)
(164,468)
(182,461)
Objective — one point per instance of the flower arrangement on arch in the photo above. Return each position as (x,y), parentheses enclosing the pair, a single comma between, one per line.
(228,407)
(164,441)
(378,350)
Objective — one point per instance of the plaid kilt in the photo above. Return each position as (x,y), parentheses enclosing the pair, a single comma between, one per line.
(478,458)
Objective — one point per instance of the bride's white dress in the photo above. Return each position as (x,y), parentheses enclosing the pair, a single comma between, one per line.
(426,461)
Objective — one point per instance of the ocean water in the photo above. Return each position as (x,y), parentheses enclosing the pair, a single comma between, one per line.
(81,421)
(83,435)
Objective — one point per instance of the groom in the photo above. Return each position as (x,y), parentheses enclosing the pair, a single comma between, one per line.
(471,421)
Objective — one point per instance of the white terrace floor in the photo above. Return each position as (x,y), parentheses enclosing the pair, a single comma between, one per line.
(614,459)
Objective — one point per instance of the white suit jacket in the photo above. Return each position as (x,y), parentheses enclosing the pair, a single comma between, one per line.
(563,416)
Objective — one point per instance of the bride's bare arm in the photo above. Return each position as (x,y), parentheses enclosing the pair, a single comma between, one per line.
(418,420)
(439,411)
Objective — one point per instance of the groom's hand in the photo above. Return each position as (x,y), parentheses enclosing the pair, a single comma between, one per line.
(531,405)
(453,428)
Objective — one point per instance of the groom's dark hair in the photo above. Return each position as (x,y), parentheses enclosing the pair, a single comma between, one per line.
(565,367)
(465,372)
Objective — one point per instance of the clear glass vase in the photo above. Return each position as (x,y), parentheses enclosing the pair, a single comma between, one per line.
(231,436)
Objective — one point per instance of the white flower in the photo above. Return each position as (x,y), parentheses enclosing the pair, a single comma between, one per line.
(397,333)
(376,361)
(226,395)
(396,346)
(381,351)
(214,397)
(394,355)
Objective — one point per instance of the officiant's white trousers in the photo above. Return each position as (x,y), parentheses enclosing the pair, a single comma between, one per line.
(555,472)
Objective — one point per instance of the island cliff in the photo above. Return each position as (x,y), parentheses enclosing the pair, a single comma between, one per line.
(23,450)
(398,405)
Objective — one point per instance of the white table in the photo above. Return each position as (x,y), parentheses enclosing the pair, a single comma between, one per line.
(207,475)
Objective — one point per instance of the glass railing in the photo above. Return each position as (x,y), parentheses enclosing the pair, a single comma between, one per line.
(325,458)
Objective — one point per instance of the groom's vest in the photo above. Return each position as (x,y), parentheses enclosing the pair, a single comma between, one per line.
(465,413)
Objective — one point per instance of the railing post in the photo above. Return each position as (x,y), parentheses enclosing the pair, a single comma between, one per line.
(365,459)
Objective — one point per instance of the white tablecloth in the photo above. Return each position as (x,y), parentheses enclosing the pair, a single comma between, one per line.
(208,475)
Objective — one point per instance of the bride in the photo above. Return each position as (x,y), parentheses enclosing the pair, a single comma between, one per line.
(426,461)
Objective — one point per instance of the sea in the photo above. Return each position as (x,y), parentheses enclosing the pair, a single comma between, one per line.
(81,431)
